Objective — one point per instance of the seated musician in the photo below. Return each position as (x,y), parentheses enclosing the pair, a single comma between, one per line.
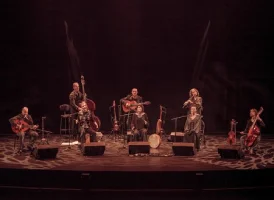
(139,124)
(192,128)
(259,123)
(133,97)
(21,134)
(194,100)
(125,101)
(85,118)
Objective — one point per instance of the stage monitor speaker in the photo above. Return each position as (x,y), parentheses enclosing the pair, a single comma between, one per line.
(230,152)
(183,149)
(138,147)
(93,149)
(45,151)
(179,137)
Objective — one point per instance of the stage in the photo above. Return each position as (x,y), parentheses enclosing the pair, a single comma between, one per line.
(117,170)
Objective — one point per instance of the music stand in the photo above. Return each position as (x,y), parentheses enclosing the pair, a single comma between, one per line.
(44,141)
(176,119)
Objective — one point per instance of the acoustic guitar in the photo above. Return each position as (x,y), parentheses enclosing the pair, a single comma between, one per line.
(132,105)
(21,126)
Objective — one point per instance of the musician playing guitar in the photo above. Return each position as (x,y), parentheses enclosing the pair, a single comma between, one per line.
(132,97)
(23,124)
(259,123)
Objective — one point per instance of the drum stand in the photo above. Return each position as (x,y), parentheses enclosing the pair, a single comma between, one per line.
(176,119)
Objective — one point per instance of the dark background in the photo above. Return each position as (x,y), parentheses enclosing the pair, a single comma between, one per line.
(151,45)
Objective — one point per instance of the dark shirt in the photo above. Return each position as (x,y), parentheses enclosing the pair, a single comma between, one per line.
(249,123)
(129,97)
(138,121)
(84,118)
(75,99)
(28,119)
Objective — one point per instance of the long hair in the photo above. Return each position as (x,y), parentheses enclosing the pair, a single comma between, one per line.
(190,95)
(254,110)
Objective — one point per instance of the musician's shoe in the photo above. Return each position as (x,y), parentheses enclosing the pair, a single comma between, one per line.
(251,152)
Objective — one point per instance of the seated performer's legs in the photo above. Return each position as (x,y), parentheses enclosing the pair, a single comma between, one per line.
(255,145)
(242,142)
(189,137)
(143,134)
(33,137)
(91,132)
(82,135)
(136,135)
(21,136)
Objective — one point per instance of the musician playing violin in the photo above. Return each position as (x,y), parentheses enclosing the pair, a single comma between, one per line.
(139,124)
(259,123)
(33,134)
(194,100)
(85,117)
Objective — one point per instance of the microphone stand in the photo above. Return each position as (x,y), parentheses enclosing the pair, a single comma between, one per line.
(176,119)
(44,141)
(125,135)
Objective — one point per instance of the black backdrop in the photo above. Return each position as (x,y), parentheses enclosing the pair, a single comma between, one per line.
(151,45)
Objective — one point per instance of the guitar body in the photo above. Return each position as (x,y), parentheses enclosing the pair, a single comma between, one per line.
(133,106)
(24,126)
(252,136)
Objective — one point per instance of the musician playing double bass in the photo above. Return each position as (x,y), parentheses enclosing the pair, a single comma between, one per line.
(260,123)
(139,124)
(33,134)
(85,118)
(75,98)
(194,100)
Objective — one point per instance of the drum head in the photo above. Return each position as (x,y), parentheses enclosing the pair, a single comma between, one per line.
(154,141)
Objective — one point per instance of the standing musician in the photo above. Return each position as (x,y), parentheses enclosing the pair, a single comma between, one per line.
(192,127)
(139,124)
(28,119)
(260,123)
(85,117)
(194,99)
(75,98)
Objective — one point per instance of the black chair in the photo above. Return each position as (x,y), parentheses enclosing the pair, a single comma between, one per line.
(65,120)
(202,133)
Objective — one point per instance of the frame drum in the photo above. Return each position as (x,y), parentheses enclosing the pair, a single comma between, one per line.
(154,141)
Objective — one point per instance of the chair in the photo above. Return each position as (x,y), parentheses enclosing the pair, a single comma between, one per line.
(65,120)
(16,140)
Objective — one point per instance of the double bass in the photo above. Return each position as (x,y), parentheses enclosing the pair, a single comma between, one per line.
(232,134)
(254,131)
(91,106)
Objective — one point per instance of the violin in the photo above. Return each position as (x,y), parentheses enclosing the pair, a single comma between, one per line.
(254,131)
(232,134)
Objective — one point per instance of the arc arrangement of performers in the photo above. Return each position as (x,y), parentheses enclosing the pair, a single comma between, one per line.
(133,120)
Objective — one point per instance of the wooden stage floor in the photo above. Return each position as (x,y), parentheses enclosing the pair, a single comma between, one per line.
(116,157)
